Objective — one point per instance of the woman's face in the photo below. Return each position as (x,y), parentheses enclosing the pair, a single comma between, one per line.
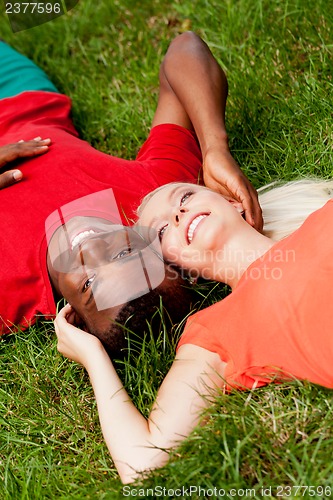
(193,224)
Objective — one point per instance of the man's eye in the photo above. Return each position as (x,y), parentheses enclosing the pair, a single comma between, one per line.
(162,231)
(87,283)
(123,253)
(185,197)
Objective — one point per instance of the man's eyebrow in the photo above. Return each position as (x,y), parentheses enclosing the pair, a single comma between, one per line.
(93,290)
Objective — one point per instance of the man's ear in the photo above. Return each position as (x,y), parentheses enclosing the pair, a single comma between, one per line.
(79,322)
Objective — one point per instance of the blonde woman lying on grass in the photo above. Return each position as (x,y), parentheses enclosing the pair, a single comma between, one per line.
(275,325)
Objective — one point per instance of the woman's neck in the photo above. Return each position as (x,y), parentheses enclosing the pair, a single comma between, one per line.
(230,264)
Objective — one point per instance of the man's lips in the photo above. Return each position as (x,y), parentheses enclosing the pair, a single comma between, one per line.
(81,236)
(193,226)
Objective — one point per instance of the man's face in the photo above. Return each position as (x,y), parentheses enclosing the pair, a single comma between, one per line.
(98,266)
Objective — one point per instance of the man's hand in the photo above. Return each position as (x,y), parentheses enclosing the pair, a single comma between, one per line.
(193,94)
(21,149)
(222,174)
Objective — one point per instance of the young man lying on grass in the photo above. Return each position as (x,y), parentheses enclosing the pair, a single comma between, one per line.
(188,131)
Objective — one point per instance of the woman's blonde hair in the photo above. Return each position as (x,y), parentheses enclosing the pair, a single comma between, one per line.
(284,206)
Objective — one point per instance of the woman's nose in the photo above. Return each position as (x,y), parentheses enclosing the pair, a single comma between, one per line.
(178,214)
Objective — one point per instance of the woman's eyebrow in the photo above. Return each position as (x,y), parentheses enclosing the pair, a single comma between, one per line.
(169,199)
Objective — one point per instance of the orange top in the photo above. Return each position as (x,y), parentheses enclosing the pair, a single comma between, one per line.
(278,321)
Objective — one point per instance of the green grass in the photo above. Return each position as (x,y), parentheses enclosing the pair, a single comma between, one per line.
(278,56)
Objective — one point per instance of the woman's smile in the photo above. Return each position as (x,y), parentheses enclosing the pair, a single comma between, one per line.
(193,226)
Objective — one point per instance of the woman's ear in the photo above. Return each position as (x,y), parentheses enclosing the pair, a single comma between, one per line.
(237,204)
(192,280)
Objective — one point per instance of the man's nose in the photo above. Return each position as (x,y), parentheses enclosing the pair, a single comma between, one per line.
(93,250)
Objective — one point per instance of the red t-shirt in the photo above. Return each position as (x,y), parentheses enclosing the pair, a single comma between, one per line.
(70,170)
(278,322)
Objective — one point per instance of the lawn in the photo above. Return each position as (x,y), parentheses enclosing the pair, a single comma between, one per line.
(274,442)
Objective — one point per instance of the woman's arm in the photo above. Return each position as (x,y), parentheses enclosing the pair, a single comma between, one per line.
(136,444)
(193,94)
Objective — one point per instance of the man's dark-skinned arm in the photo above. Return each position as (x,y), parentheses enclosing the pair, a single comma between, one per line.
(193,94)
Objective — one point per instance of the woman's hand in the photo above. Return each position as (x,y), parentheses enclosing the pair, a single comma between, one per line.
(222,174)
(74,343)
(21,149)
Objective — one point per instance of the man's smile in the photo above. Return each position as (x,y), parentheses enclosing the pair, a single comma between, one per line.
(80,237)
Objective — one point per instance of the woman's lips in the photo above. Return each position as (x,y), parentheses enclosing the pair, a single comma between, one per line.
(193,226)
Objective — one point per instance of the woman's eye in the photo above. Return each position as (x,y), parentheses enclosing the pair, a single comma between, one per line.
(185,197)
(88,283)
(162,231)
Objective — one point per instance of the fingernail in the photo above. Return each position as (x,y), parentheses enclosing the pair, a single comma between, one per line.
(17,175)
(37,139)
(21,140)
